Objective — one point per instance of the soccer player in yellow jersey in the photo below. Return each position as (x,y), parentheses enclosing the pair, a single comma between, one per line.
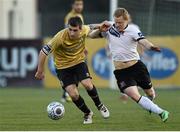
(77,8)
(67,47)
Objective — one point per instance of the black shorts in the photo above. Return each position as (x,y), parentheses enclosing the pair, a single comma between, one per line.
(136,75)
(73,75)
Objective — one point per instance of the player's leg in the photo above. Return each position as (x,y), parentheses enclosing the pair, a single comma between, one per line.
(92,92)
(85,79)
(143,80)
(142,100)
(79,102)
(128,79)
(150,93)
(145,102)
(132,92)
(69,82)
(66,97)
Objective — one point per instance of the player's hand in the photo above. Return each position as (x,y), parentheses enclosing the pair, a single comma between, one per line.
(155,48)
(104,26)
(39,75)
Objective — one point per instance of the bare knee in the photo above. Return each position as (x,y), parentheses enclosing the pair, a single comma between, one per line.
(73,92)
(74,96)
(150,93)
(87,84)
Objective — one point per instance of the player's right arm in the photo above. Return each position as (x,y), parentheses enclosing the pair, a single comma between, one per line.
(45,51)
(102,27)
(40,70)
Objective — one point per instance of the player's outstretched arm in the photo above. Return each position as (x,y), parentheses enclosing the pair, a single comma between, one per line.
(94,34)
(148,45)
(96,29)
(40,70)
(94,26)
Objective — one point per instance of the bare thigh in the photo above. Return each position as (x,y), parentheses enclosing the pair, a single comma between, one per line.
(133,92)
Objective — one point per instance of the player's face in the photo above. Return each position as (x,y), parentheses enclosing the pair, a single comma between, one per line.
(78,6)
(74,32)
(120,23)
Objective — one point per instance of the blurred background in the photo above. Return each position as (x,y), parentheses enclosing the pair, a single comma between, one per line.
(25,25)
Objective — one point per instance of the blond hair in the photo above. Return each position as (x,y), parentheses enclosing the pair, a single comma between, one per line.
(122,12)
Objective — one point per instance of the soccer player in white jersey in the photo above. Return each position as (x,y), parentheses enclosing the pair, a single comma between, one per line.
(130,71)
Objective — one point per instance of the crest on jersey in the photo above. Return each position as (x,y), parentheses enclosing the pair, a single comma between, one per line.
(141,35)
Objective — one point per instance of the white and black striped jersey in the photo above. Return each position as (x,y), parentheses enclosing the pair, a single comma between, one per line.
(123,45)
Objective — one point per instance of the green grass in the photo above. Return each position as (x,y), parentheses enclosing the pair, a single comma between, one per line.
(25,109)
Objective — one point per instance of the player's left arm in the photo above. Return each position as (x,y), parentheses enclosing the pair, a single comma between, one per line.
(45,51)
(148,45)
(140,38)
(94,26)
(94,33)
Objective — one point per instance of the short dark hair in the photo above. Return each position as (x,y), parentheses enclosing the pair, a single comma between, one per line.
(75,21)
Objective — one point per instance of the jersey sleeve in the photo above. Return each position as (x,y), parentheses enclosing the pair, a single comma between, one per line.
(137,34)
(54,42)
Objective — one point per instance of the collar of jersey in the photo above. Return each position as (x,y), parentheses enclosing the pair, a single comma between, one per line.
(117,30)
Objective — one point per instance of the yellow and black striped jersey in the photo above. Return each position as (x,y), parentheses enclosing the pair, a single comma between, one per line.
(67,52)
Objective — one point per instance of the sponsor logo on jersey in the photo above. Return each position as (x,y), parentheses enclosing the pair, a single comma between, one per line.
(161,65)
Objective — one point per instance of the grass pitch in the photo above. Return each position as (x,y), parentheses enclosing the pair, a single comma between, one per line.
(25,109)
